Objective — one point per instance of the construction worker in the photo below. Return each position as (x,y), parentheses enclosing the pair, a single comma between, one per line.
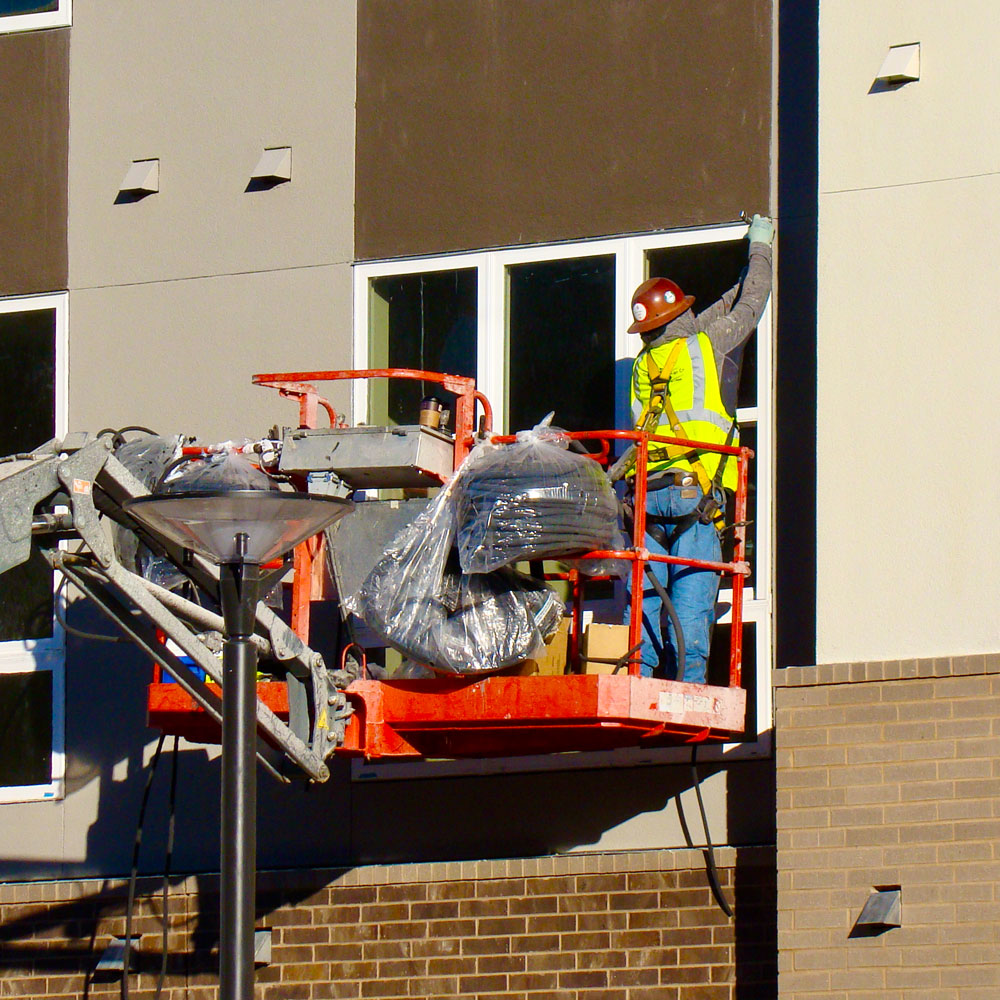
(684,384)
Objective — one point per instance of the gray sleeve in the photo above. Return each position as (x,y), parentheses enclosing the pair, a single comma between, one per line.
(718,308)
(728,329)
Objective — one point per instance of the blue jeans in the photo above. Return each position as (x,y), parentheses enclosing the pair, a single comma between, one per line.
(692,591)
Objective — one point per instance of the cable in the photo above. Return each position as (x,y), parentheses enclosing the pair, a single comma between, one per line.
(134,873)
(180,460)
(118,435)
(713,872)
(661,591)
(171,825)
(79,633)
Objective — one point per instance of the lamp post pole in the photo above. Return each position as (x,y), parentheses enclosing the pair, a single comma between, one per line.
(238,584)
(238,530)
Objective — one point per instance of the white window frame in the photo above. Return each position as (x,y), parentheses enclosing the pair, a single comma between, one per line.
(630,270)
(61,17)
(29,656)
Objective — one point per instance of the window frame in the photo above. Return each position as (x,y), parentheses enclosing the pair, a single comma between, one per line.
(31,655)
(630,270)
(61,17)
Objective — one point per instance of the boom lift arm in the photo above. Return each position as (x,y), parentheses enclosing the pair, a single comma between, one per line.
(80,473)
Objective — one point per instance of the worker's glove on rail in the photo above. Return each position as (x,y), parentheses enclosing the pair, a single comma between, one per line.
(761,230)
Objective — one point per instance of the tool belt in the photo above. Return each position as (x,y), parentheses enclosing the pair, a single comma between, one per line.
(671,477)
(706,511)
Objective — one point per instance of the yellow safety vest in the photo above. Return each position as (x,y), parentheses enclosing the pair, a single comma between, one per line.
(693,388)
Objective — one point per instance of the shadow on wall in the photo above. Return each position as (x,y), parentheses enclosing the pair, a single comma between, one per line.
(333,826)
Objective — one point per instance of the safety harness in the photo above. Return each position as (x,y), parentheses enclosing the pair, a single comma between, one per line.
(707,510)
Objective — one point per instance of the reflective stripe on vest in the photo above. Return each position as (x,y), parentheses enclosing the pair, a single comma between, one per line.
(694,391)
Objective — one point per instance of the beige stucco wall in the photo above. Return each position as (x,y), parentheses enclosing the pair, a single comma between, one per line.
(907,351)
(213,281)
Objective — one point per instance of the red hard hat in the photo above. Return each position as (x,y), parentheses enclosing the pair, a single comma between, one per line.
(657,301)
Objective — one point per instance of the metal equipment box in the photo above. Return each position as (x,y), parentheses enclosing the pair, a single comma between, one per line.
(410,456)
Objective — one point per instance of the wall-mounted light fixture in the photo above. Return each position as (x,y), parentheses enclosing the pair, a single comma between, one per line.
(274,167)
(901,65)
(142,178)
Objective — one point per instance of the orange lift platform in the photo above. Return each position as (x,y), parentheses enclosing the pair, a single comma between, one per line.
(507,713)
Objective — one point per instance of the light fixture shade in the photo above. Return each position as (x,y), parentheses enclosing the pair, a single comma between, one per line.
(142,177)
(901,64)
(211,523)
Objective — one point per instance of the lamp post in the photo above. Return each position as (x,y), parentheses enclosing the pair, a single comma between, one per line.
(239,530)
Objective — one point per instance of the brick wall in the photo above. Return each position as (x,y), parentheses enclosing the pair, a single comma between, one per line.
(889,774)
(624,926)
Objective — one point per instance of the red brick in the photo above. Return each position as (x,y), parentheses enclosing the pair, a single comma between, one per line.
(480,984)
(436,910)
(500,887)
(410,891)
(483,908)
(582,980)
(552,923)
(486,964)
(486,945)
(311,972)
(533,981)
(633,977)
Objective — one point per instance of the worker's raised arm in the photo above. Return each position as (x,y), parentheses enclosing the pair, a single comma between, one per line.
(727,328)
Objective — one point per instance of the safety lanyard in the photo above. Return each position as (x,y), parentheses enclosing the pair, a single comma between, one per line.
(660,393)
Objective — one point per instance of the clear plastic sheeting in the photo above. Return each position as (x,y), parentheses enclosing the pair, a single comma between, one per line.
(419,601)
(147,458)
(224,470)
(534,499)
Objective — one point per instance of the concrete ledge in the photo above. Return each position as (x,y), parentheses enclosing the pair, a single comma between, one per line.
(887,670)
(611,862)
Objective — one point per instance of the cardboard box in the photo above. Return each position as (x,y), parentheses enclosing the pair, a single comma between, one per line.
(603,642)
(554,660)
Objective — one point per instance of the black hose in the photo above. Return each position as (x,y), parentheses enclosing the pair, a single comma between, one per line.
(118,434)
(79,633)
(171,824)
(134,873)
(713,872)
(180,460)
(661,591)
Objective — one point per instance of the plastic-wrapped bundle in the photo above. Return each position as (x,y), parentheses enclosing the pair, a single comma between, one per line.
(533,499)
(419,601)
(221,470)
(147,458)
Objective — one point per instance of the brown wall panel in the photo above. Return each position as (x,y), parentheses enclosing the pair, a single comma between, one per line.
(34,143)
(497,122)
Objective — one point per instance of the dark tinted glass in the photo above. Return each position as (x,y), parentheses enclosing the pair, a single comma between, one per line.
(421,321)
(8,7)
(27,415)
(706,272)
(26,728)
(561,343)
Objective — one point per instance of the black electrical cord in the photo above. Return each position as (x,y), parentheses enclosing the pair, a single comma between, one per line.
(171,825)
(180,460)
(134,873)
(118,434)
(661,591)
(79,633)
(713,872)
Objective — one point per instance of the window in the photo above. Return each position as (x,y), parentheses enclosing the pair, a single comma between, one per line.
(32,410)
(26,15)
(549,334)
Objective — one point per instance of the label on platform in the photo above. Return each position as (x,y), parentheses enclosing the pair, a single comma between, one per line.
(678,703)
(84,486)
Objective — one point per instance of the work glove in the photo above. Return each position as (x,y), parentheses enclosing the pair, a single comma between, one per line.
(761,230)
